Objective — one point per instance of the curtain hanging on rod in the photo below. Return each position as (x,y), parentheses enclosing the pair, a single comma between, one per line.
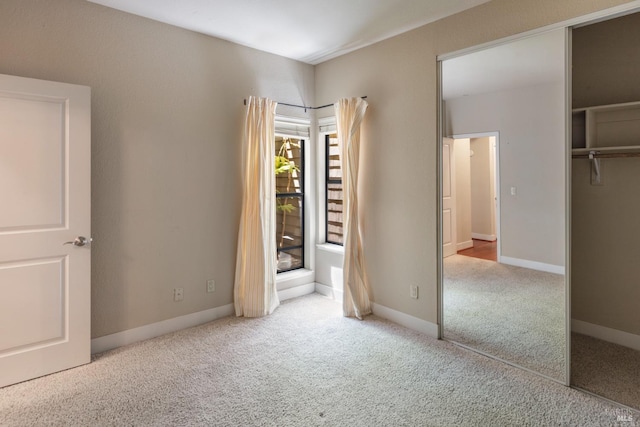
(255,281)
(349,116)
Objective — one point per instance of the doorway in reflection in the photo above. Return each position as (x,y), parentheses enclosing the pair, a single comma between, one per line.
(476,196)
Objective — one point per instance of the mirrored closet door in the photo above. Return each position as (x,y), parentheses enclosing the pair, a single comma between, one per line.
(605,238)
(504,167)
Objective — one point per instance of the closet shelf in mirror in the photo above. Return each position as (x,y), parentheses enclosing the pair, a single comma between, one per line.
(606,152)
(606,127)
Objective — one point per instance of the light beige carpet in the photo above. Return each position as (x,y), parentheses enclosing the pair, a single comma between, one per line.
(606,369)
(305,365)
(513,313)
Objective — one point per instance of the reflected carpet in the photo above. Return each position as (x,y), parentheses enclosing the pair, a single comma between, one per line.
(513,313)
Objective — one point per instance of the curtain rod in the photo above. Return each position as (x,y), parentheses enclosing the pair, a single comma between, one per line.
(303,106)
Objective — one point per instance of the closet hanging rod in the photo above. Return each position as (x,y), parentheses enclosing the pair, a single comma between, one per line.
(600,155)
(303,106)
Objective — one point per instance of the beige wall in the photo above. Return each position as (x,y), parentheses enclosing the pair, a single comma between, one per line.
(399,77)
(462,153)
(166,126)
(530,121)
(482,188)
(606,60)
(605,235)
(605,231)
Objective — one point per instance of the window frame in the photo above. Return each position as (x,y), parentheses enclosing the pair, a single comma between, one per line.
(302,196)
(325,126)
(327,181)
(300,128)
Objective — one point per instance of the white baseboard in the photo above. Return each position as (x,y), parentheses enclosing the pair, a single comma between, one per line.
(130,336)
(419,325)
(487,237)
(533,265)
(464,245)
(606,334)
(296,291)
(330,292)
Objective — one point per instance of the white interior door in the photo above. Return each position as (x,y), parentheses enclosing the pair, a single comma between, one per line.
(448,200)
(45,183)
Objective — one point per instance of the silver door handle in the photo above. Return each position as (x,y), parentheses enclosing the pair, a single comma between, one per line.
(79,241)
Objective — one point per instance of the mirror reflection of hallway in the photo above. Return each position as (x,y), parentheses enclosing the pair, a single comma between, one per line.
(512,307)
(476,197)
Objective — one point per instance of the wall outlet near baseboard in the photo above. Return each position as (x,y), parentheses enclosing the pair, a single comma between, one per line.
(178,294)
(211,285)
(413,291)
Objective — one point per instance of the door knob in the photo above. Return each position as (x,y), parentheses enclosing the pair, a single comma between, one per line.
(79,241)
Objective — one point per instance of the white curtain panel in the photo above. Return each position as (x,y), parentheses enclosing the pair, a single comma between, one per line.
(255,283)
(349,115)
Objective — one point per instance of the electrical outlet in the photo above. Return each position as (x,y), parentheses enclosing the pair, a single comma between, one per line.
(211,285)
(178,294)
(413,291)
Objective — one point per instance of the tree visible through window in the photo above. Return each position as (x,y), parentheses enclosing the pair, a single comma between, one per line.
(289,170)
(333,190)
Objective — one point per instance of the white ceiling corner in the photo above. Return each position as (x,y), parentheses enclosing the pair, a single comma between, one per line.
(311,31)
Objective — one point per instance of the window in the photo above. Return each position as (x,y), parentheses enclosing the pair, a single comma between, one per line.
(333,190)
(289,170)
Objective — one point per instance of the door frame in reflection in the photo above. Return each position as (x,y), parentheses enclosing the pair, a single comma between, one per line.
(495,157)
